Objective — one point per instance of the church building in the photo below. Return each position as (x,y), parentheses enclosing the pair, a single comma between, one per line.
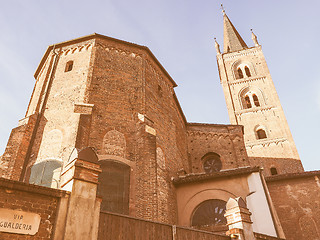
(105,152)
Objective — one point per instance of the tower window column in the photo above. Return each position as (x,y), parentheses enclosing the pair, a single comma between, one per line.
(250,100)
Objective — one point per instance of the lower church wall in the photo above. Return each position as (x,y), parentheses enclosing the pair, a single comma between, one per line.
(296,199)
(18,201)
(134,228)
(25,201)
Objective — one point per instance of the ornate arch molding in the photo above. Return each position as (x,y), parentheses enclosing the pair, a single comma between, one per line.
(114,143)
(194,201)
(252,91)
(118,159)
(242,63)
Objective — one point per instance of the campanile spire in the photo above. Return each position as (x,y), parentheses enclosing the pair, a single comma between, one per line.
(232,41)
(253,102)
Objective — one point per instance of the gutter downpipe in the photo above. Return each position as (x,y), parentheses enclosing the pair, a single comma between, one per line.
(41,111)
(275,219)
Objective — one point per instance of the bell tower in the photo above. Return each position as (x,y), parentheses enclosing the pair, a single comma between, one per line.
(253,102)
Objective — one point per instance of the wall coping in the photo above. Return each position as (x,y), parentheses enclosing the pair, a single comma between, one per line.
(288,176)
(32,188)
(100,36)
(200,177)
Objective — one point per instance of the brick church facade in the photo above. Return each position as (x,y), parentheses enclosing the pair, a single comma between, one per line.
(108,108)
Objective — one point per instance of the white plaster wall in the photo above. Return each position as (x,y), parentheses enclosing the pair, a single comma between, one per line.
(258,205)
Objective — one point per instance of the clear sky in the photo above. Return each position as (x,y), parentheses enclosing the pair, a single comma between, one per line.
(180,34)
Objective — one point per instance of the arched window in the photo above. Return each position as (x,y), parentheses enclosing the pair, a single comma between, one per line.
(46,173)
(211,162)
(256,100)
(273,171)
(261,134)
(240,74)
(248,102)
(114,185)
(209,212)
(69,66)
(247,71)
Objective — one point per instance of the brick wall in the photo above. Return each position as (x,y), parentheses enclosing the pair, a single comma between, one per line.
(283,165)
(296,199)
(34,199)
(13,159)
(225,140)
(54,97)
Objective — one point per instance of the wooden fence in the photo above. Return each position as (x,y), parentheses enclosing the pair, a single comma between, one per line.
(119,227)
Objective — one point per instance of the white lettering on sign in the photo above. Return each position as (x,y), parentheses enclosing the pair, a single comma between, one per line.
(14,221)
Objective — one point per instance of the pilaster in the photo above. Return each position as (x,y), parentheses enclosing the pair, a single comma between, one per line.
(238,220)
(80,176)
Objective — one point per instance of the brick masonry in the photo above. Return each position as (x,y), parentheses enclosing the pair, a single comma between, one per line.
(118,99)
(34,199)
(296,199)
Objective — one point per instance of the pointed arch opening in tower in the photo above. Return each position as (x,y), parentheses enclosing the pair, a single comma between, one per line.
(247,70)
(243,69)
(255,100)
(248,102)
(240,74)
(251,98)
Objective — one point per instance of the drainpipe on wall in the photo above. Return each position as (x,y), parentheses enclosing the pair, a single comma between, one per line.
(41,111)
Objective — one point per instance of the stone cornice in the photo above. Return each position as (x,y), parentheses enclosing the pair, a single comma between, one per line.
(288,176)
(246,80)
(31,188)
(99,36)
(265,142)
(244,52)
(254,110)
(214,134)
(200,177)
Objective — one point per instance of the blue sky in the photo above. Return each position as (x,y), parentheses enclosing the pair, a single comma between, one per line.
(180,34)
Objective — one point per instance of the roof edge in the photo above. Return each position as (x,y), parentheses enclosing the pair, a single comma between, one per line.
(200,177)
(97,35)
(289,176)
(213,124)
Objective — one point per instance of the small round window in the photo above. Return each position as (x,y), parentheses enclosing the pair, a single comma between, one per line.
(211,163)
